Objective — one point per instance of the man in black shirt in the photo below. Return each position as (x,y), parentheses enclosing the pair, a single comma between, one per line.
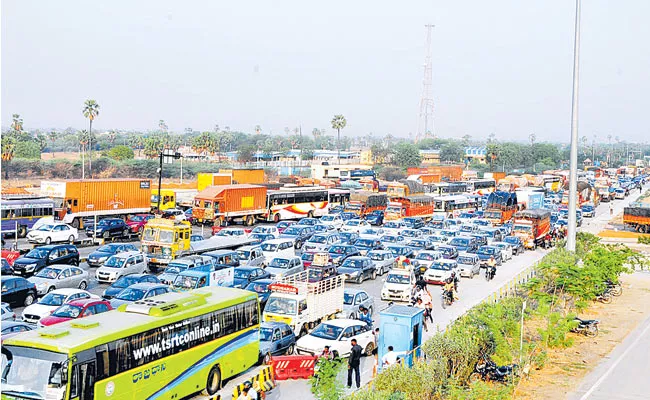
(353,363)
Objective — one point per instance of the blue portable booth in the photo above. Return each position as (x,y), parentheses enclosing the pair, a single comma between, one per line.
(401,327)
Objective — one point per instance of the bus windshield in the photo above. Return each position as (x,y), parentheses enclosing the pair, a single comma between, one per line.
(280,305)
(30,373)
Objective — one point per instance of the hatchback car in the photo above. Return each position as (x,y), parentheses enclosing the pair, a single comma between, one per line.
(469,265)
(245,275)
(108,228)
(298,233)
(203,262)
(121,264)
(284,266)
(368,243)
(353,299)
(447,251)
(51,302)
(440,271)
(339,252)
(42,256)
(413,222)
(357,269)
(276,338)
(58,277)
(126,281)
(51,233)
(375,217)
(17,291)
(424,260)
(98,257)
(138,292)
(278,248)
(267,229)
(506,250)
(137,222)
(348,237)
(467,244)
(384,260)
(337,334)
(75,309)
(321,241)
(175,213)
(251,256)
(334,220)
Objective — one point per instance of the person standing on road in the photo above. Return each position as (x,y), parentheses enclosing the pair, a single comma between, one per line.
(390,358)
(353,364)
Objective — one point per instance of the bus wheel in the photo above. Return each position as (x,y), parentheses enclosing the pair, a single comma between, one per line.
(276,218)
(213,383)
(310,214)
(22,231)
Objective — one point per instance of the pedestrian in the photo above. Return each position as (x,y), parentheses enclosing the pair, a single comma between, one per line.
(353,363)
(391,357)
(428,306)
(364,316)
(640,189)
(244,395)
(252,394)
(419,304)
(326,353)
(421,283)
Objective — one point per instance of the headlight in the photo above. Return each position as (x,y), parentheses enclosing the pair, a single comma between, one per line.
(101,259)
(42,285)
(30,266)
(355,273)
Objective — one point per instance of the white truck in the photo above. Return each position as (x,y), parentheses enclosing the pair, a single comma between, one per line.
(303,304)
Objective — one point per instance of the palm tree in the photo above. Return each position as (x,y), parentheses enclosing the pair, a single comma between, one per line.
(112,135)
(162,125)
(90,111)
(258,129)
(53,135)
(42,141)
(8,148)
(316,133)
(84,138)
(17,123)
(338,123)
(152,147)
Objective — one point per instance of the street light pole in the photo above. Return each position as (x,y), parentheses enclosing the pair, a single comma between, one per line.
(573,170)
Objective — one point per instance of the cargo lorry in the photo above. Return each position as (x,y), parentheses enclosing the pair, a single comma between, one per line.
(363,203)
(224,204)
(637,218)
(205,179)
(75,200)
(302,304)
(172,198)
(532,226)
(501,206)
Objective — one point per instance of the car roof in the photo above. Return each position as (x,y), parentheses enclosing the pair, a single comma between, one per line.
(246,268)
(6,278)
(84,302)
(466,254)
(286,258)
(126,254)
(280,240)
(266,281)
(10,324)
(147,285)
(273,324)
(354,291)
(358,258)
(250,247)
(67,291)
(344,323)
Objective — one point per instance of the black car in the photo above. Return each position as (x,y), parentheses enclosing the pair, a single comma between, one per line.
(375,218)
(299,233)
(98,257)
(245,275)
(109,227)
(6,268)
(357,269)
(339,252)
(18,291)
(40,257)
(127,281)
(516,243)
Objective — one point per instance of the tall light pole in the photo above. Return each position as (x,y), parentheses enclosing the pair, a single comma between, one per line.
(573,169)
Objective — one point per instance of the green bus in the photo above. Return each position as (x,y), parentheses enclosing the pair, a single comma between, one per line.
(164,347)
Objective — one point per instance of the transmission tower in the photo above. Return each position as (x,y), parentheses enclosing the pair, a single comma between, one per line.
(425,120)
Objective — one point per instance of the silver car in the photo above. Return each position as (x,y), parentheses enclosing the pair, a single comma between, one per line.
(469,264)
(384,260)
(352,300)
(121,264)
(284,266)
(251,256)
(59,277)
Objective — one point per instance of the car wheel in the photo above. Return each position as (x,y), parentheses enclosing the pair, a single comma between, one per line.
(29,300)
(213,383)
(291,349)
(267,359)
(374,275)
(83,285)
(125,233)
(48,240)
(369,348)
(370,311)
(359,279)
(50,289)
(71,239)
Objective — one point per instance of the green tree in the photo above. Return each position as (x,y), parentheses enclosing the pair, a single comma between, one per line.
(112,135)
(90,111)
(152,146)
(41,140)
(27,149)
(327,385)
(338,123)
(245,153)
(16,123)
(380,153)
(407,155)
(53,135)
(8,149)
(121,152)
(451,152)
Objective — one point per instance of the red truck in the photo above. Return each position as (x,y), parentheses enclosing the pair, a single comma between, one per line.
(532,226)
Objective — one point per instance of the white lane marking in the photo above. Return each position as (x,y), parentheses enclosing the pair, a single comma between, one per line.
(613,366)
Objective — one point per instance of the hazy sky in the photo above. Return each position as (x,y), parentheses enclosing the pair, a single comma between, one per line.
(498,66)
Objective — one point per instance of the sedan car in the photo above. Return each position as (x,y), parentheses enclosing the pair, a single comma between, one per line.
(469,265)
(126,281)
(447,251)
(375,217)
(486,252)
(334,220)
(245,275)
(506,250)
(282,225)
(353,299)
(137,292)
(55,232)
(268,230)
(42,256)
(339,252)
(52,301)
(440,271)
(357,269)
(413,222)
(75,309)
(516,243)
(58,277)
(261,287)
(17,291)
(384,260)
(6,267)
(355,225)
(299,233)
(276,338)
(12,328)
(284,266)
(337,334)
(108,228)
(98,257)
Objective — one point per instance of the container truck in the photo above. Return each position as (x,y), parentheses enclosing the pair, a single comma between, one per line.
(501,206)
(75,200)
(302,304)
(220,205)
(638,218)
(205,179)
(363,203)
(532,226)
(251,176)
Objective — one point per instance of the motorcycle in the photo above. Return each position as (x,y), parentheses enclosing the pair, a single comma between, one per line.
(488,370)
(490,272)
(447,298)
(614,288)
(587,327)
(604,297)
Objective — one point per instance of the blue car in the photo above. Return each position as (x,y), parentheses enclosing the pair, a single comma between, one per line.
(375,218)
(98,257)
(126,281)
(276,338)
(137,292)
(413,222)
(261,287)
(339,252)
(309,221)
(245,275)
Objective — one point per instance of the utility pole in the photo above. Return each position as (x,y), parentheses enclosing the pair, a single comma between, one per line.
(425,122)
(167,156)
(573,170)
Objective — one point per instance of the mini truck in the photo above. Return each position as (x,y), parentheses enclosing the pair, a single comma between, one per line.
(302,304)
(220,275)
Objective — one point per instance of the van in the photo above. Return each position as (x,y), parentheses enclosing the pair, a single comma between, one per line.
(278,248)
(251,256)
(120,264)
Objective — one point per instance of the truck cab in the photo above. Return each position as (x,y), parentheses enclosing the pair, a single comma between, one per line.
(164,240)
(167,201)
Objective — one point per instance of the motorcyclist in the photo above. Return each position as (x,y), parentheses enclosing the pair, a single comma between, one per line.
(449,288)
(491,267)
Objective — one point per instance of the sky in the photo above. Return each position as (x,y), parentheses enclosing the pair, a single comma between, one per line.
(501,66)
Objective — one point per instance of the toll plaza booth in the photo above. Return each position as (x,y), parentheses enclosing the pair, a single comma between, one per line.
(401,327)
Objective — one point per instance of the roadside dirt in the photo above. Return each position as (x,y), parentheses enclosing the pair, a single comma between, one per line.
(565,368)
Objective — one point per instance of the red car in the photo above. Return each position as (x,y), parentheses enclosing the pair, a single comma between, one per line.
(138,221)
(76,309)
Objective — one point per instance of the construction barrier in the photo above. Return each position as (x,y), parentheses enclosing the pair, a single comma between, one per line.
(263,382)
(293,367)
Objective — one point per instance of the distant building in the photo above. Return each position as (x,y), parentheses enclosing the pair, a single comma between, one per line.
(478,154)
(430,157)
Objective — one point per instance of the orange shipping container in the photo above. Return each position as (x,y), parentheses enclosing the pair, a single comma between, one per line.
(77,199)
(227,202)
(205,179)
(252,176)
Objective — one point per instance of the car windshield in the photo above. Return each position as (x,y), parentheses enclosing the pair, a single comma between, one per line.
(115,262)
(48,273)
(242,274)
(185,282)
(351,263)
(337,249)
(459,242)
(426,257)
(176,268)
(292,231)
(376,256)
(446,250)
(353,222)
(318,239)
(348,298)
(131,294)
(487,250)
(465,260)
(125,281)
(327,331)
(364,242)
(512,240)
(307,257)
(52,299)
(441,266)
(391,224)
(109,248)
(136,218)
(67,311)
(269,246)
(280,305)
(417,243)
(262,229)
(266,334)
(257,287)
(30,373)
(243,255)
(279,263)
(400,279)
(314,274)
(328,218)
(46,228)
(37,253)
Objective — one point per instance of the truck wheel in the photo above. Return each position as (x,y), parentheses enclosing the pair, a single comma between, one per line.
(75,223)
(213,383)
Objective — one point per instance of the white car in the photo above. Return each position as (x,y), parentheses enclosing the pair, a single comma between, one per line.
(469,264)
(398,285)
(121,264)
(506,250)
(278,248)
(337,334)
(393,227)
(440,271)
(51,302)
(355,225)
(425,258)
(55,232)
(284,266)
(267,230)
(334,220)
(232,232)
(175,213)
